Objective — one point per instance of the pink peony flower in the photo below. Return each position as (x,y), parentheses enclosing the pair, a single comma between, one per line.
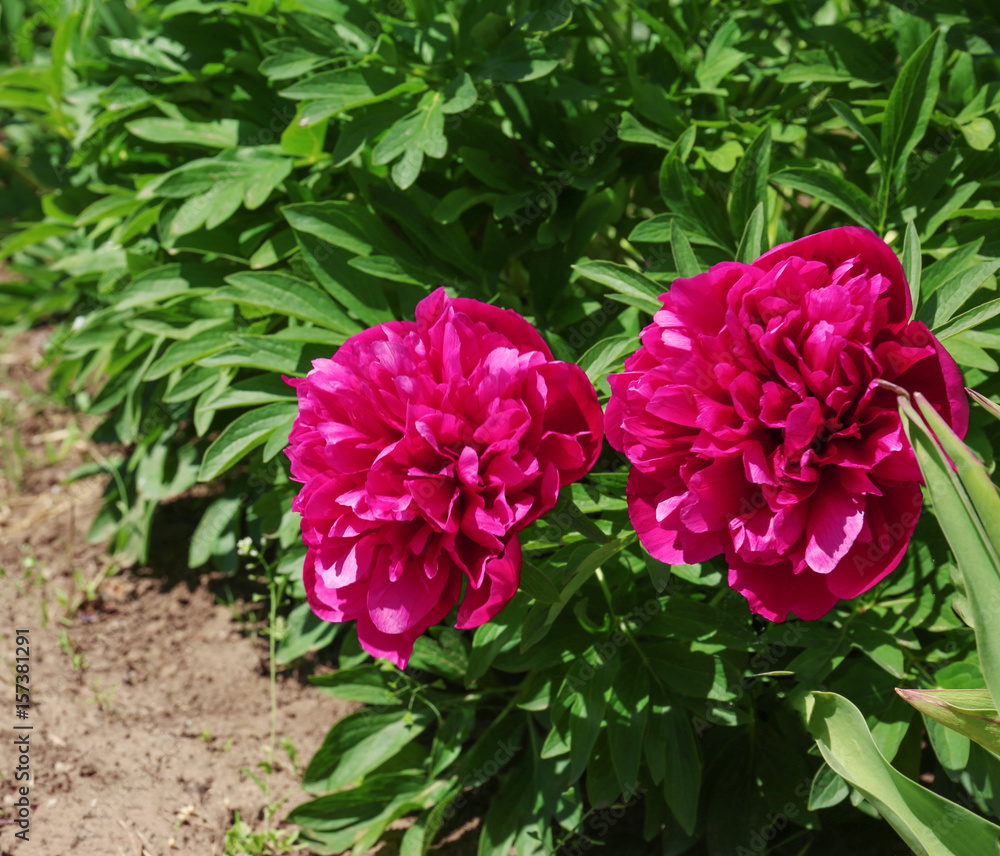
(423,448)
(756,427)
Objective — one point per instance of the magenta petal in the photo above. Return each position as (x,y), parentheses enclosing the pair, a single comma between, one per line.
(499,585)
(775,591)
(891,520)
(835,519)
(395,647)
(835,246)
(400,605)
(330,604)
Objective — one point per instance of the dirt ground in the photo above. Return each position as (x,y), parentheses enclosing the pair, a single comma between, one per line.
(146,703)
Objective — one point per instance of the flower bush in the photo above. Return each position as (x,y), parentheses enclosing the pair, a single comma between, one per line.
(424,447)
(207,196)
(758,426)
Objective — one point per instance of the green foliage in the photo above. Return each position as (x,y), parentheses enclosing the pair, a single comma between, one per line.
(208,195)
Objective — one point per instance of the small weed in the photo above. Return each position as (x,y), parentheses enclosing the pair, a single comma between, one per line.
(76,657)
(102,698)
(205,735)
(241,840)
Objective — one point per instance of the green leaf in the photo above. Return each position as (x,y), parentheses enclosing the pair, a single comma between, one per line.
(827,789)
(682,778)
(460,94)
(273,293)
(366,683)
(218,134)
(831,188)
(517,59)
(854,122)
(953,294)
(749,187)
(911,103)
(359,743)
(684,257)
(168,281)
(720,57)
(752,243)
(291,58)
(348,89)
(990,406)
(601,358)
(630,286)
(216,520)
(244,433)
(968,508)
(186,351)
(304,632)
(968,320)
(628,714)
(914,812)
(911,262)
(971,713)
(586,712)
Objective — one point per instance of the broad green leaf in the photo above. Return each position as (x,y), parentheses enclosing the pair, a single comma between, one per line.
(216,520)
(628,712)
(270,353)
(831,188)
(347,89)
(169,281)
(218,134)
(853,121)
(970,319)
(720,57)
(460,94)
(684,257)
(605,355)
(971,713)
(827,790)
(968,508)
(243,434)
(273,293)
(186,351)
(953,294)
(911,103)
(361,742)
(304,632)
(366,683)
(630,286)
(340,819)
(752,243)
(291,58)
(260,182)
(587,703)
(749,187)
(842,735)
(682,778)
(517,59)
(260,389)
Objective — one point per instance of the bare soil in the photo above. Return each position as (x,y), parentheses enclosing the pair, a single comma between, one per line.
(146,701)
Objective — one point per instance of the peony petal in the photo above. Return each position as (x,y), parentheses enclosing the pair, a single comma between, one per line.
(776,591)
(397,606)
(833,246)
(835,519)
(497,588)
